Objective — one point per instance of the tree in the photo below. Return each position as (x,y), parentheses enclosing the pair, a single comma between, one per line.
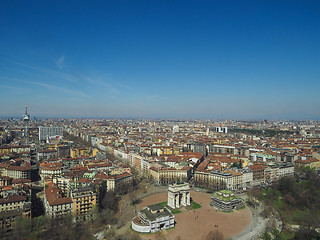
(253,193)
(308,219)
(110,201)
(22,228)
(240,164)
(134,198)
(26,228)
(306,234)
(266,236)
(271,224)
(109,234)
(276,234)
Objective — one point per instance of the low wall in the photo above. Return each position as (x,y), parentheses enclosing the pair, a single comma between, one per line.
(140,228)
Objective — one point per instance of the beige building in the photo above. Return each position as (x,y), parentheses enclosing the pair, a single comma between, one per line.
(50,169)
(14,149)
(16,170)
(115,181)
(170,174)
(271,174)
(10,208)
(307,162)
(83,202)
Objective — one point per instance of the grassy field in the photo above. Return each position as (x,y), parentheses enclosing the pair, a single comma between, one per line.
(174,211)
(195,205)
(286,235)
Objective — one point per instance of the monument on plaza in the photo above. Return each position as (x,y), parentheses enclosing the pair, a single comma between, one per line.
(179,195)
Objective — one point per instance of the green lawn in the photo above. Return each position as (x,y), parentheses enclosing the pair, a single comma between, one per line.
(286,235)
(278,204)
(174,211)
(195,205)
(163,204)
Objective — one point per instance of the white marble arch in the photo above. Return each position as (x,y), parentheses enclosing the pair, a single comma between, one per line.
(179,195)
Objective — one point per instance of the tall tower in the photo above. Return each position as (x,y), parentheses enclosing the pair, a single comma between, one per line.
(26,120)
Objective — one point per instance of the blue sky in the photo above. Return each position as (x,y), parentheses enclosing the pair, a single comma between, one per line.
(163,59)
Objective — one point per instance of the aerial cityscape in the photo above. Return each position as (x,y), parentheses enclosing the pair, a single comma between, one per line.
(160,120)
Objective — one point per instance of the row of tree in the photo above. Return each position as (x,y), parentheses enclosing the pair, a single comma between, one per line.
(296,200)
(46,228)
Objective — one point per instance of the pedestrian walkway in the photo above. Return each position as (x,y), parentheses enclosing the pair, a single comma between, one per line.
(256,228)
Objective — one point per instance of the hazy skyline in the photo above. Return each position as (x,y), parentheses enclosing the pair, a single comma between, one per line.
(161,59)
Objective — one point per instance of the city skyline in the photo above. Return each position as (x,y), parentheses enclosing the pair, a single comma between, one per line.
(161,59)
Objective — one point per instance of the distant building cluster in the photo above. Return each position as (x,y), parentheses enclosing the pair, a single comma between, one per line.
(73,176)
(217,159)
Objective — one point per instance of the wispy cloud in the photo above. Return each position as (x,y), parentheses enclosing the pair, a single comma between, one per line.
(104,81)
(52,87)
(13,88)
(58,74)
(60,62)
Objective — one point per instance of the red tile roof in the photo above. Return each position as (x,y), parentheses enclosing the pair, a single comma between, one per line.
(11,199)
(54,196)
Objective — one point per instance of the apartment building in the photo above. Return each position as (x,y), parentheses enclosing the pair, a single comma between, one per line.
(46,154)
(84,199)
(307,162)
(16,169)
(14,149)
(258,173)
(286,170)
(50,169)
(271,174)
(56,205)
(47,132)
(12,207)
(115,181)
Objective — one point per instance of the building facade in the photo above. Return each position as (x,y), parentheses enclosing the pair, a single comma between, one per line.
(226,200)
(83,202)
(56,205)
(152,219)
(47,132)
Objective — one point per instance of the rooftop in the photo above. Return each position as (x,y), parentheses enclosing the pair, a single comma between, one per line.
(152,212)
(225,195)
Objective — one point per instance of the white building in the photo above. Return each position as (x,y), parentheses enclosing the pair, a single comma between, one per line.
(56,206)
(152,219)
(221,129)
(48,132)
(18,172)
(247,178)
(175,129)
(286,170)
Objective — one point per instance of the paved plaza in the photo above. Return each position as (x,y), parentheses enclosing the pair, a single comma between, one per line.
(195,224)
